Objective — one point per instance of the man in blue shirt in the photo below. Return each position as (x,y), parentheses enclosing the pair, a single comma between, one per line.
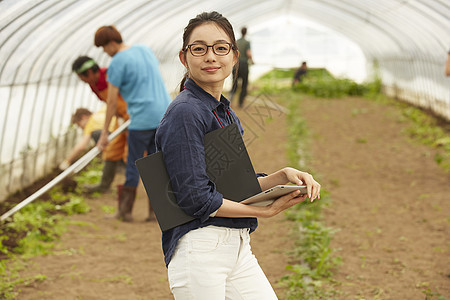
(134,73)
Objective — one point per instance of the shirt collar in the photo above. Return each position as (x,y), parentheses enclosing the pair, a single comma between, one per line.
(102,84)
(205,97)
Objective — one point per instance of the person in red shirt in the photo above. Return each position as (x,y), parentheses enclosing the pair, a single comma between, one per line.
(89,72)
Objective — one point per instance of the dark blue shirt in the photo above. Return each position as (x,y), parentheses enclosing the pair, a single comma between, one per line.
(180,136)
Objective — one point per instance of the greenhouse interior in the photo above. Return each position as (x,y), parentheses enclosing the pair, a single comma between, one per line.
(395,53)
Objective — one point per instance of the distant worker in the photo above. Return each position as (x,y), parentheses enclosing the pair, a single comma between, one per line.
(245,58)
(92,125)
(300,73)
(134,73)
(447,64)
(89,72)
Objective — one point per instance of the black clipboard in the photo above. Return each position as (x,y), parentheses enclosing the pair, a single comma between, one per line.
(228,165)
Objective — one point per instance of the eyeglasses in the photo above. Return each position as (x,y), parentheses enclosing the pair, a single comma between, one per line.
(220,49)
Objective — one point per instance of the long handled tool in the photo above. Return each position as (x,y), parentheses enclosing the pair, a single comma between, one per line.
(73,169)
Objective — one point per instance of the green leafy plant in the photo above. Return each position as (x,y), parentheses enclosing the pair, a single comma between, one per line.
(317,83)
(431,295)
(10,278)
(34,229)
(426,129)
(312,258)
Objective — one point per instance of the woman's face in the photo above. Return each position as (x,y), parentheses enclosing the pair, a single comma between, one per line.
(209,70)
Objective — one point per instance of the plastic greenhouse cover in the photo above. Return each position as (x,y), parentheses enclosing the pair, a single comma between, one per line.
(40,39)
(59,29)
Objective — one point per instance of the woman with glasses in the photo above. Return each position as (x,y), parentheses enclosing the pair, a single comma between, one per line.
(210,257)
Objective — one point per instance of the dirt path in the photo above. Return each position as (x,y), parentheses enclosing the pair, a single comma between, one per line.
(390,202)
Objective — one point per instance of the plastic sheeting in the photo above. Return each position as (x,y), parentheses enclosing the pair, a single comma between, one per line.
(39,39)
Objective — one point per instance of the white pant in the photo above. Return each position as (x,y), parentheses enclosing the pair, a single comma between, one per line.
(217,263)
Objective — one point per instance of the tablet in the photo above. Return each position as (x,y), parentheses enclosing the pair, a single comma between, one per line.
(268,196)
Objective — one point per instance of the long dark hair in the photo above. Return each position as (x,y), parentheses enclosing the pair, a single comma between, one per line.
(207,17)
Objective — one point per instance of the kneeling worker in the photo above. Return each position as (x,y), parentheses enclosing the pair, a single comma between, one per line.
(92,125)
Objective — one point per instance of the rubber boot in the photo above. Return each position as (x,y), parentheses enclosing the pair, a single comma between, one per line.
(126,202)
(151,214)
(108,173)
(119,192)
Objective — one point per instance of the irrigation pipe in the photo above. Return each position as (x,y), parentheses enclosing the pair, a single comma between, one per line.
(72,169)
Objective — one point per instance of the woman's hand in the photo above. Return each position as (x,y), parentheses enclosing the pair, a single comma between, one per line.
(302,178)
(299,178)
(283,203)
(231,209)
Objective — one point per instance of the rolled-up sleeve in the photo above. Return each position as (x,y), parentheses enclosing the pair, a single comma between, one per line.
(181,140)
